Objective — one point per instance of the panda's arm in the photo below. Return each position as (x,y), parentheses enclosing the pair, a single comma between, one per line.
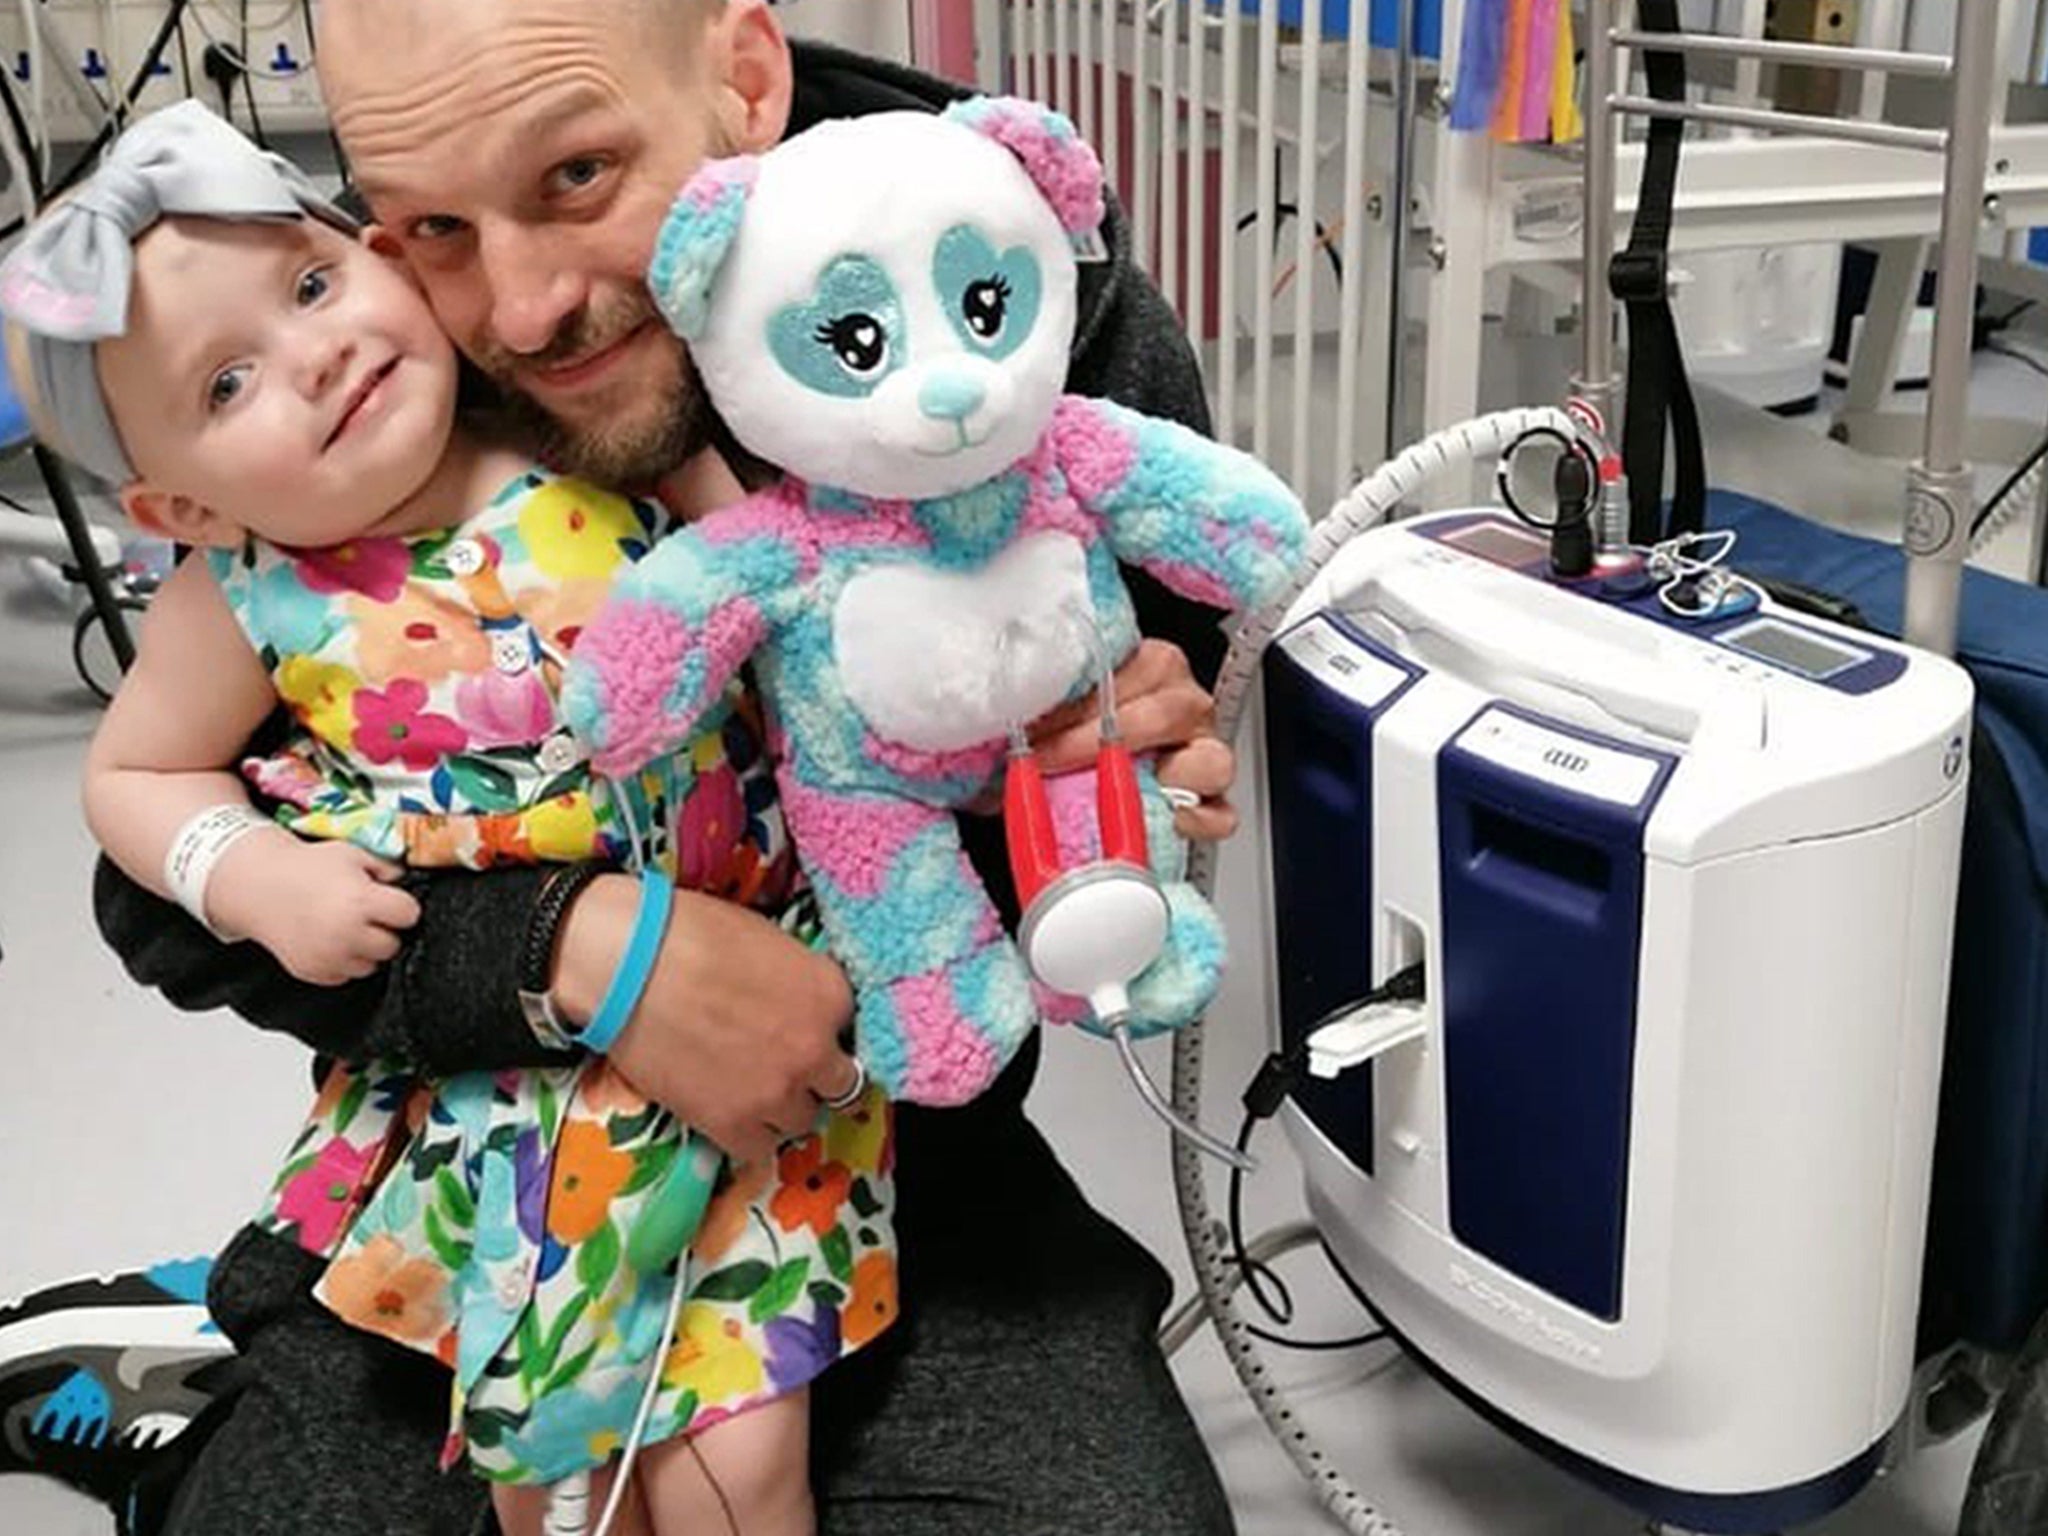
(676,629)
(1210,522)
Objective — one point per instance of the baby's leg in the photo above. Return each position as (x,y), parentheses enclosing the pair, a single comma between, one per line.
(522,1509)
(746,1476)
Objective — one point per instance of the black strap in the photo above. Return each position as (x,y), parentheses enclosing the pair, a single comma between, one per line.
(1659,394)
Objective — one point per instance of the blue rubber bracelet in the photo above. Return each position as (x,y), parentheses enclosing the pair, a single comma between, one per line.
(657,895)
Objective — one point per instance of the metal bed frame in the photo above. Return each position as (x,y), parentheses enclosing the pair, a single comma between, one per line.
(1940,492)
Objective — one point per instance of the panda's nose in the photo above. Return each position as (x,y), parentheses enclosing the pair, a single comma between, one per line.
(950,397)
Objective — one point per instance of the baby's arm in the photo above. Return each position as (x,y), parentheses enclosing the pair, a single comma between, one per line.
(183,713)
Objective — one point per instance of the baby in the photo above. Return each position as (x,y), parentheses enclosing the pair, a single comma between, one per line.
(197,326)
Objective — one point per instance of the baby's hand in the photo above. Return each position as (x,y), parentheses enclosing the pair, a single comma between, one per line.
(328,911)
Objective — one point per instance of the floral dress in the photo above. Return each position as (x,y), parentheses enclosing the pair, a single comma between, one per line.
(490,1219)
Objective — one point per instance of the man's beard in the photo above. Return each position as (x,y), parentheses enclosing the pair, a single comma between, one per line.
(629,452)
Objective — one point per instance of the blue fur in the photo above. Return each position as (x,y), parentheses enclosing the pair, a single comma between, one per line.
(1176,468)
(689,252)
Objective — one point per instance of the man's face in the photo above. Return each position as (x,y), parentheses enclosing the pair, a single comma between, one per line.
(522,154)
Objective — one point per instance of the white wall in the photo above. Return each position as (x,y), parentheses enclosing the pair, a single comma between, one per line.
(878,27)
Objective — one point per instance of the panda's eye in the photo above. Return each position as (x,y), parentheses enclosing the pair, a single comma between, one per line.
(858,341)
(984,305)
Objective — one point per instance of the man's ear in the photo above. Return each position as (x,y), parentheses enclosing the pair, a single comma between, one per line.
(753,76)
(178,518)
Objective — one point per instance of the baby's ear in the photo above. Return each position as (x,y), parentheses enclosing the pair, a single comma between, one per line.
(696,238)
(178,518)
(1057,158)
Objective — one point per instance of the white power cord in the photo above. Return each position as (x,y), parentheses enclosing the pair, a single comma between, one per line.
(1369,505)
(569,1497)
(48,39)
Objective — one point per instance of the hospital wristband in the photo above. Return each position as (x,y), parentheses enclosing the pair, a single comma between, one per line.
(197,848)
(636,965)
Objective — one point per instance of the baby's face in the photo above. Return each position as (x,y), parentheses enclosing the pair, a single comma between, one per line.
(281,374)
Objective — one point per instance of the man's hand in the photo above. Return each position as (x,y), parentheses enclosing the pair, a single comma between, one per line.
(1160,708)
(328,911)
(738,1030)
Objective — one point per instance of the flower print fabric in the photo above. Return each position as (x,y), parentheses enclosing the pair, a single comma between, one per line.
(487,1219)
(422,672)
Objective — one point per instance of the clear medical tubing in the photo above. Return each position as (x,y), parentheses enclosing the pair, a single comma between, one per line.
(1365,508)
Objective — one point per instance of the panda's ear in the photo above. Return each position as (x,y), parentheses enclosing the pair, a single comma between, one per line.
(1058,159)
(695,238)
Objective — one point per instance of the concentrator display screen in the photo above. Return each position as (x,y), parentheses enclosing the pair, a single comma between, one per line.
(1503,546)
(1794,649)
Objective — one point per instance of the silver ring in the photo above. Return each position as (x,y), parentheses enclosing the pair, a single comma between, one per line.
(852,1095)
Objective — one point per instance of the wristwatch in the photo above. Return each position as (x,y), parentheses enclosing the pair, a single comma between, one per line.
(537,950)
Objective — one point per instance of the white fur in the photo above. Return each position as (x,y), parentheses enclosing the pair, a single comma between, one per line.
(807,209)
(940,660)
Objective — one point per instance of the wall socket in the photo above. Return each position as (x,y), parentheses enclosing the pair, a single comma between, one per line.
(103,45)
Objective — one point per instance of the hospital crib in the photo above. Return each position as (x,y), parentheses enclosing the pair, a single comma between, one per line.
(1280,258)
(1265,149)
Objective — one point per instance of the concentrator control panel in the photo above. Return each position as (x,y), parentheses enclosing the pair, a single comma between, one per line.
(1758,645)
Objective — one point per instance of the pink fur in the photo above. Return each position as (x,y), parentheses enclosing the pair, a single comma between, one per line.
(775,513)
(1045,512)
(950,1061)
(1096,455)
(636,648)
(1064,168)
(1071,799)
(1192,581)
(714,176)
(853,843)
(914,763)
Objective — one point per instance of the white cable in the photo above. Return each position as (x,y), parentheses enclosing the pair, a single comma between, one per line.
(52,35)
(1215,1271)
(638,1434)
(569,1499)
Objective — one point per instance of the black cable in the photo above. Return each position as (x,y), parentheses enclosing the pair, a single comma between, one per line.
(2006,349)
(1570,445)
(184,60)
(2012,482)
(76,172)
(31,152)
(255,118)
(1262,1098)
(1283,211)
(249,81)
(312,61)
(1255,1273)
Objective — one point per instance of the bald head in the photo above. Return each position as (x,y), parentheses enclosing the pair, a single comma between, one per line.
(521,155)
(362,32)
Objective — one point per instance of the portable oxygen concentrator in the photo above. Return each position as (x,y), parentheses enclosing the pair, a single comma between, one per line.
(1646,1181)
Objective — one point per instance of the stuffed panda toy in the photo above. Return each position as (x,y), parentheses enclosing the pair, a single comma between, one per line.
(882,309)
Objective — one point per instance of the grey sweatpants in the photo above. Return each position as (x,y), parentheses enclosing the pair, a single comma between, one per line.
(1020,1394)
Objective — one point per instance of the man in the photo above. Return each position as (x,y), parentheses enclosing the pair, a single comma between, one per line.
(520,155)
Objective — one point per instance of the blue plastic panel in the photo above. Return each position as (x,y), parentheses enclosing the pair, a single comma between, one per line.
(1542,927)
(1319,790)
